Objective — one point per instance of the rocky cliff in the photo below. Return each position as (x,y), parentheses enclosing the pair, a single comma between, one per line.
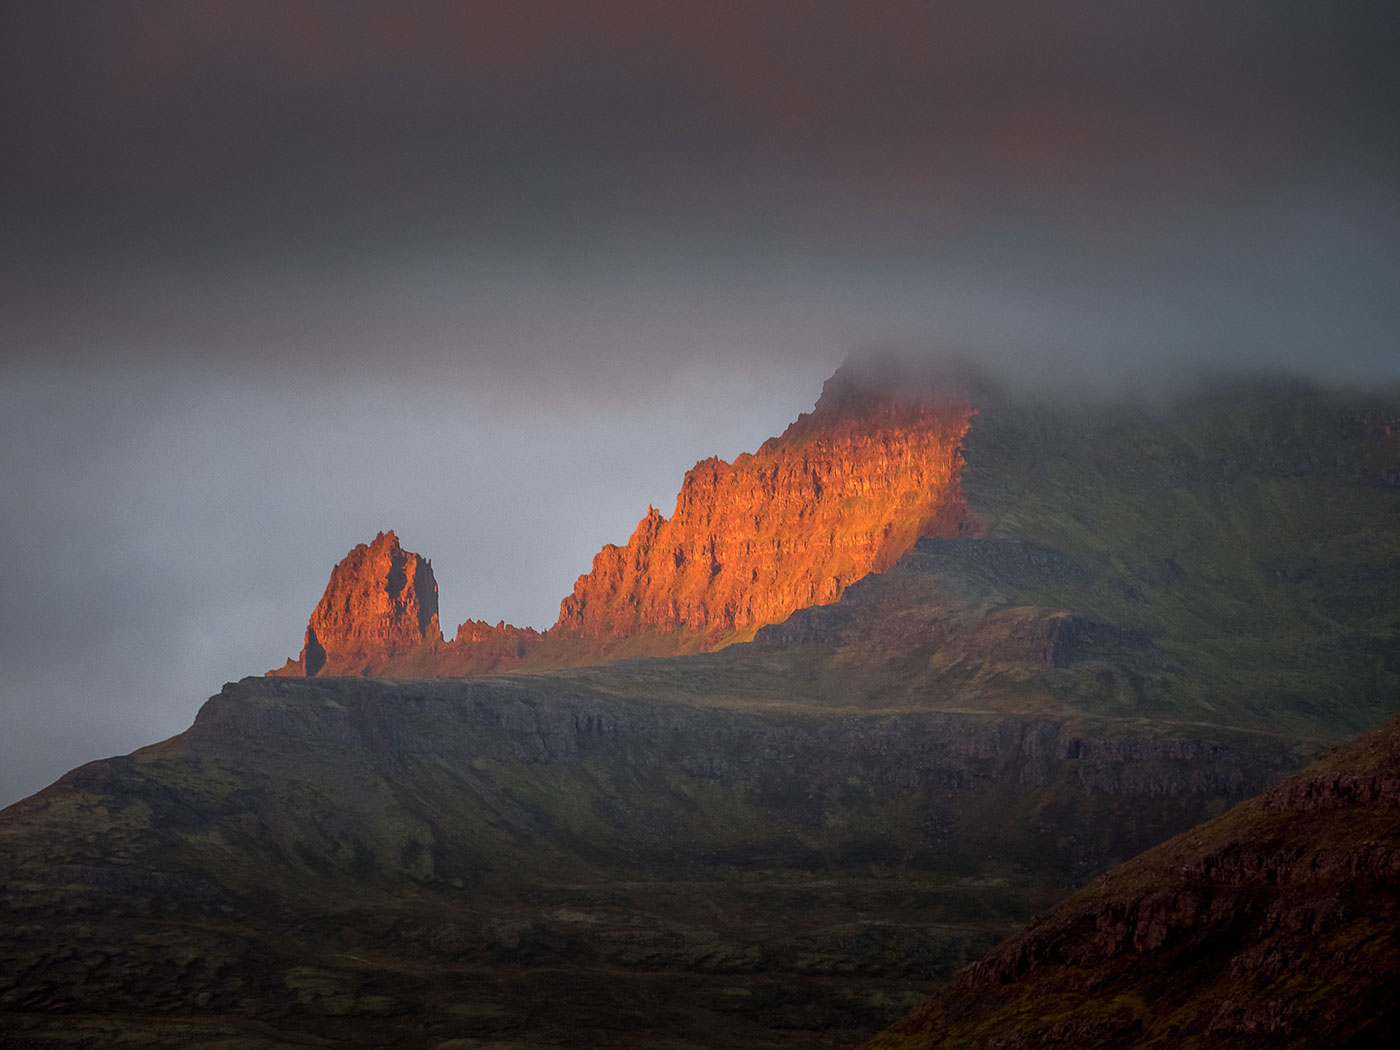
(381,601)
(844,491)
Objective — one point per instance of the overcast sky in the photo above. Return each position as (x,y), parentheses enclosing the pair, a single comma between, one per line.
(277,275)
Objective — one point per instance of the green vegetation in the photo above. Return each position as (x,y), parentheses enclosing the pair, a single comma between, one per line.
(1254,535)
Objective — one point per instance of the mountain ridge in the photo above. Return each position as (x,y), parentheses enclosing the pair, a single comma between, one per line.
(336,855)
(844,491)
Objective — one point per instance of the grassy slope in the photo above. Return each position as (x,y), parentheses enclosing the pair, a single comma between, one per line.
(1255,536)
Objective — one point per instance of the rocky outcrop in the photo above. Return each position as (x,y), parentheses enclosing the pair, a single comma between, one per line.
(480,648)
(844,492)
(381,601)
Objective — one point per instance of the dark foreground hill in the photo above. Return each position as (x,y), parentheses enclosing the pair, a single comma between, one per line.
(1276,925)
(790,842)
(401,864)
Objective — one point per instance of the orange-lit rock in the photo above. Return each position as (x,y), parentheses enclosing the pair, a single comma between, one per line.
(480,647)
(843,492)
(381,601)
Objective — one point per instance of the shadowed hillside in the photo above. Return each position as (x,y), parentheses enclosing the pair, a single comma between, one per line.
(397,864)
(1275,925)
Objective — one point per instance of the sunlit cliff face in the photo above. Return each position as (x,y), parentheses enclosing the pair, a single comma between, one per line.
(845,491)
(381,601)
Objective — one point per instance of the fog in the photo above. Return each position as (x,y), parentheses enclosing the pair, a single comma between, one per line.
(277,276)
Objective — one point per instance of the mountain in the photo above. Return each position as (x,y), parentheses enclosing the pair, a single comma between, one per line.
(1138,616)
(1275,925)
(844,491)
(1232,559)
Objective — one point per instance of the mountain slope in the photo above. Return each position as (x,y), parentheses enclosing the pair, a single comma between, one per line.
(1252,531)
(1145,617)
(1276,925)
(533,857)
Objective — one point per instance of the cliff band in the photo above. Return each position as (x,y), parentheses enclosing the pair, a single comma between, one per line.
(845,491)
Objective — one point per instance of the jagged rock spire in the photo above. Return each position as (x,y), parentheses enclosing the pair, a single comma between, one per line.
(381,600)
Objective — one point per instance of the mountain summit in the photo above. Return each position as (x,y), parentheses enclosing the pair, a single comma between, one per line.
(381,601)
(845,491)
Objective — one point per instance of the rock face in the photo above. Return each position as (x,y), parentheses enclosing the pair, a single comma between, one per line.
(845,491)
(381,601)
(1271,926)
